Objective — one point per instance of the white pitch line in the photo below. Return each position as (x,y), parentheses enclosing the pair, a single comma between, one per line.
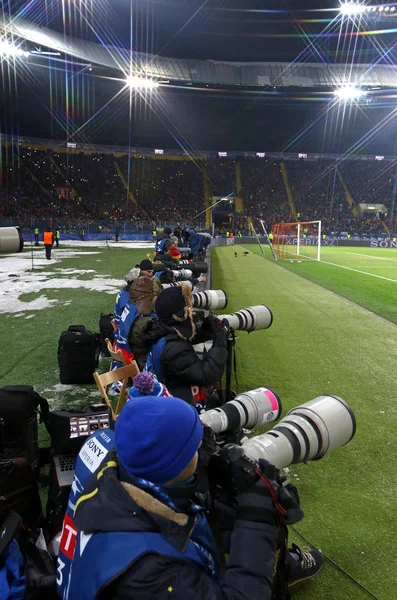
(375,257)
(357,271)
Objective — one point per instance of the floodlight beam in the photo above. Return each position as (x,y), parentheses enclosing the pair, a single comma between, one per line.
(7,49)
(352,9)
(136,82)
(349,93)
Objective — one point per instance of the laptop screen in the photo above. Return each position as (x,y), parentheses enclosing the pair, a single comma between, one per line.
(69,429)
(85,426)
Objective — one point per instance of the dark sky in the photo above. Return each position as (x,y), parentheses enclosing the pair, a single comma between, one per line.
(55,102)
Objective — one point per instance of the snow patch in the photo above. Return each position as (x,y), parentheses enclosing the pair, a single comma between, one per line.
(35,281)
(101,243)
(74,271)
(62,387)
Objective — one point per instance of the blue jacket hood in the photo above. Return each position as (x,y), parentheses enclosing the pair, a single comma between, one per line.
(111,505)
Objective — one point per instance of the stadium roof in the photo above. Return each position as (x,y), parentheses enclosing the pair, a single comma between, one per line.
(191,72)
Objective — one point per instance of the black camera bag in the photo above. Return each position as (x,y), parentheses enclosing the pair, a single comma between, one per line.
(78,355)
(106,331)
(20,407)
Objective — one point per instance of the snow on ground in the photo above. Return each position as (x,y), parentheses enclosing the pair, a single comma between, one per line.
(18,278)
(72,396)
(112,244)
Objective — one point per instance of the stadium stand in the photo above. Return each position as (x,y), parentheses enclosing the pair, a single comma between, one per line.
(89,187)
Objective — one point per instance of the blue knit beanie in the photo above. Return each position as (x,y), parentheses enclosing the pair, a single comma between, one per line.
(146,384)
(157,439)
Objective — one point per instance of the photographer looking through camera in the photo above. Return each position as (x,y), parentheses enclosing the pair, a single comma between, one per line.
(172,357)
(140,524)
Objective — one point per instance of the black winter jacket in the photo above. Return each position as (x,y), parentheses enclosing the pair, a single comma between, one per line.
(125,507)
(181,367)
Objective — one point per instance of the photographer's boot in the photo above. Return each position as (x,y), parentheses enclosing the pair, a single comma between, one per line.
(303,563)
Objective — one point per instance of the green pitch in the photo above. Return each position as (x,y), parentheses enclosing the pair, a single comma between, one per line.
(322,343)
(319,343)
(367,276)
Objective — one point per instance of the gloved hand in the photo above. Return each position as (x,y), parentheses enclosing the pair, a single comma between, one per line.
(266,500)
(209,445)
(221,333)
(211,325)
(208,448)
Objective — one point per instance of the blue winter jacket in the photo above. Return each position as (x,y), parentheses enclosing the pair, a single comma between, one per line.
(133,545)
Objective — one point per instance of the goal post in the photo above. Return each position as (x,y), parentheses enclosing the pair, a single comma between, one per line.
(297,240)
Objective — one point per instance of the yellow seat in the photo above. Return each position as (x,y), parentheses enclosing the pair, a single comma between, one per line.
(123,375)
(116,355)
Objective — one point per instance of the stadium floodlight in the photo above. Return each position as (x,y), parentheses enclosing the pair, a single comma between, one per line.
(352,9)
(141,83)
(7,49)
(349,93)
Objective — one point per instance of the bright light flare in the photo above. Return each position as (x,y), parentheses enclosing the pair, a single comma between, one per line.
(349,93)
(352,9)
(141,83)
(7,49)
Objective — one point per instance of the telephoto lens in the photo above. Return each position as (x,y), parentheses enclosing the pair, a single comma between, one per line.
(168,285)
(247,410)
(310,431)
(11,240)
(197,268)
(252,318)
(183,274)
(210,300)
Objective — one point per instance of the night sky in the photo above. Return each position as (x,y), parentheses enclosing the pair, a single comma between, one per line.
(63,101)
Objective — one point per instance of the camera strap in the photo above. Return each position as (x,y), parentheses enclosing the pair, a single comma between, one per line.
(234,358)
(280,590)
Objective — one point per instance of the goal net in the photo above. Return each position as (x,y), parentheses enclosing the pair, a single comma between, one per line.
(295,241)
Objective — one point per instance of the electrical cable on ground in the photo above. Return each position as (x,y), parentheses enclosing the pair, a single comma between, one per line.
(334,564)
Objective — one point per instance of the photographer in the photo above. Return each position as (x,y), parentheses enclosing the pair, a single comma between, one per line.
(146,267)
(163,242)
(136,340)
(124,294)
(173,358)
(137,312)
(173,251)
(142,532)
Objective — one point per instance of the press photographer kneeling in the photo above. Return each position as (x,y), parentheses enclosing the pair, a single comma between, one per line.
(142,529)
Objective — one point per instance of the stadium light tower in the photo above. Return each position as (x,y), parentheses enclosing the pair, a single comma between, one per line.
(349,93)
(141,83)
(352,9)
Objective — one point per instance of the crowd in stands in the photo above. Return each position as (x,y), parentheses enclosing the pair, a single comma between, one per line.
(265,196)
(169,190)
(222,176)
(39,184)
